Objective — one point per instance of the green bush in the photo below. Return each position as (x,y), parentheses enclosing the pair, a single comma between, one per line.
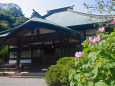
(66,61)
(96,67)
(53,74)
(59,74)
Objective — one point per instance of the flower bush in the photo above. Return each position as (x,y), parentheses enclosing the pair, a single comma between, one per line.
(96,65)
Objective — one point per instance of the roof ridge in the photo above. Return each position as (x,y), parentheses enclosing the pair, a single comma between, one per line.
(35,14)
(70,7)
(49,12)
(92,15)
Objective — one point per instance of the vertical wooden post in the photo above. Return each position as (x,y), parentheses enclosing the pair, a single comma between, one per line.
(3,58)
(38,31)
(18,56)
(32,53)
(84,33)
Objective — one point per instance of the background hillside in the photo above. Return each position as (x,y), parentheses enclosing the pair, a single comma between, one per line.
(10,16)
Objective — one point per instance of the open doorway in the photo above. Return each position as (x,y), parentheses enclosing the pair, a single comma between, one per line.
(49,57)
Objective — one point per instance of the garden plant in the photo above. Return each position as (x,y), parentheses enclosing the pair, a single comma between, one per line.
(58,74)
(95,65)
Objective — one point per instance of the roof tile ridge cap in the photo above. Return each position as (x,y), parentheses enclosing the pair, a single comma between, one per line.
(92,15)
(59,8)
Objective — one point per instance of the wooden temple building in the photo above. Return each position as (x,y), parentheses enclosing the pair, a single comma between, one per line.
(42,40)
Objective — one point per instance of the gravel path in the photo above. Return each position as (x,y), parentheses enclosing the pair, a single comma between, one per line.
(7,81)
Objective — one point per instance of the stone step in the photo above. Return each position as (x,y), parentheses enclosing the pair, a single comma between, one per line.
(23,74)
(33,74)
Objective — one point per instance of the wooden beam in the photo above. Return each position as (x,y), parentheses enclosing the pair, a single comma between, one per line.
(41,38)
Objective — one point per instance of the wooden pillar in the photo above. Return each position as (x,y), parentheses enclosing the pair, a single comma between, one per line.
(32,55)
(84,33)
(38,31)
(18,56)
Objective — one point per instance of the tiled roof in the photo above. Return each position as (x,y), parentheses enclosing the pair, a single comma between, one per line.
(72,18)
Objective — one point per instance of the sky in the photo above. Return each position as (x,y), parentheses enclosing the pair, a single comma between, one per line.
(41,6)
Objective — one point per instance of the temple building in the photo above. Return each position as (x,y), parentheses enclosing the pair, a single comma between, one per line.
(42,40)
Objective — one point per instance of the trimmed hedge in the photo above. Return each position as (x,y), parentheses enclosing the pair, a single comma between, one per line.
(58,74)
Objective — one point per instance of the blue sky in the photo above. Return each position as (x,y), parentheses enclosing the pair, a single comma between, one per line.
(42,6)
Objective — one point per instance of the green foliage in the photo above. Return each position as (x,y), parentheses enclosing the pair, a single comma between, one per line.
(66,61)
(6,22)
(96,67)
(19,20)
(12,12)
(59,73)
(53,75)
(4,51)
(11,18)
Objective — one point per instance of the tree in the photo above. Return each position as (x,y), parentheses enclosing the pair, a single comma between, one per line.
(101,6)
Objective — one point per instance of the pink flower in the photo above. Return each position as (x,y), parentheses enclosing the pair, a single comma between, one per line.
(78,54)
(96,39)
(113,22)
(90,38)
(101,29)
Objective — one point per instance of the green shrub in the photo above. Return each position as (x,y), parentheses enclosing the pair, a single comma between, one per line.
(53,75)
(96,67)
(58,74)
(65,75)
(66,61)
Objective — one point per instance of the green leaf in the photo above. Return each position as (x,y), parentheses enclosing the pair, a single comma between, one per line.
(78,70)
(105,54)
(85,50)
(92,55)
(72,83)
(70,77)
(109,65)
(90,83)
(101,83)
